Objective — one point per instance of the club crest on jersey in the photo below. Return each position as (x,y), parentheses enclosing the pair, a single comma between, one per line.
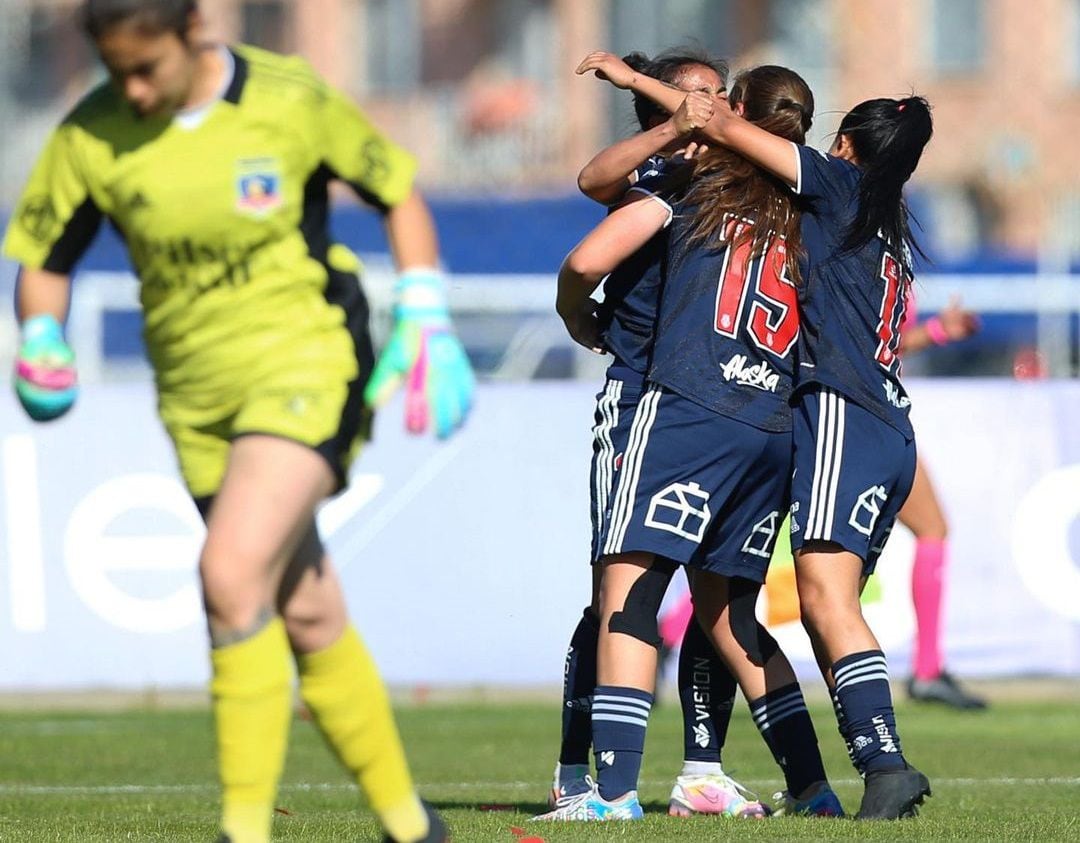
(759,376)
(258,185)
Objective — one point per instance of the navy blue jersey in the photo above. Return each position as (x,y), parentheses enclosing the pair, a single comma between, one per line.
(728,325)
(853,301)
(628,313)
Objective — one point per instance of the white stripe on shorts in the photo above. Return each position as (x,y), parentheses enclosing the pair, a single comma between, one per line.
(623,510)
(827,462)
(608,408)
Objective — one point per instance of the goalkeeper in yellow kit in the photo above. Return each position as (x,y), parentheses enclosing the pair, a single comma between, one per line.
(213,164)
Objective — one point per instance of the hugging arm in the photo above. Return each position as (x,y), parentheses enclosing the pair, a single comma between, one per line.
(725,127)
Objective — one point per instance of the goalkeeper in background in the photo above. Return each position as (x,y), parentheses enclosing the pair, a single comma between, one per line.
(213,163)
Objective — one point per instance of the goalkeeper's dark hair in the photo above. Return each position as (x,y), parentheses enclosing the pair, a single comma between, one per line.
(668,66)
(151,16)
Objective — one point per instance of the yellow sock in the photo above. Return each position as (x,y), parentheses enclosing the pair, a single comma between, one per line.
(341,687)
(252,700)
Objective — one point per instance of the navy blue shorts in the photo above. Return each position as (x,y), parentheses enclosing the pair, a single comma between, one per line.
(615,407)
(853,472)
(699,488)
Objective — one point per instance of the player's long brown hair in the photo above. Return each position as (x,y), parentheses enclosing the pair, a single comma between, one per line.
(727,185)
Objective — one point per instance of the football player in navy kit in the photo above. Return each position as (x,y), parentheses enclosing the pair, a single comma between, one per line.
(854,446)
(704,480)
(631,170)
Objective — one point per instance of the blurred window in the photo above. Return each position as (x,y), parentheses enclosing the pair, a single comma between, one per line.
(958,35)
(527,39)
(960,220)
(654,25)
(650,26)
(267,24)
(1065,222)
(801,33)
(54,53)
(393,45)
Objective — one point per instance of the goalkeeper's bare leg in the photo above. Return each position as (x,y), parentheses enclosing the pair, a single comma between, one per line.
(260,520)
(340,686)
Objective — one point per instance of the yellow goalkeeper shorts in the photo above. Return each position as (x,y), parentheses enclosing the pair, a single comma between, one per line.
(312,395)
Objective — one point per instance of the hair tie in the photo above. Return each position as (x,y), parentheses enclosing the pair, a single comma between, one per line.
(901,106)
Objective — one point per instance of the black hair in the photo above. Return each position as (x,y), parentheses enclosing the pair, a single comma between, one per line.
(153,16)
(668,66)
(888,137)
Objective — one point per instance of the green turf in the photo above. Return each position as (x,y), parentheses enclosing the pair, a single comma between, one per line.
(1012,773)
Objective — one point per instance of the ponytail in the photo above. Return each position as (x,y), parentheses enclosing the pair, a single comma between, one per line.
(888,137)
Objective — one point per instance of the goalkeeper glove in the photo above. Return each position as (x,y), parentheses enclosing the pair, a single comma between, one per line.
(45,369)
(424,352)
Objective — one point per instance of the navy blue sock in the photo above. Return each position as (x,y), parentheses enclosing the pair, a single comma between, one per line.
(862,689)
(788,731)
(579,682)
(619,718)
(706,693)
(841,725)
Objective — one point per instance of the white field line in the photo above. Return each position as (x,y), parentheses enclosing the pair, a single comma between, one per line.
(13,789)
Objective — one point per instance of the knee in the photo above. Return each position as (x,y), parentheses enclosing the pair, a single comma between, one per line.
(815,603)
(310,635)
(234,598)
(751,638)
(936,529)
(311,628)
(635,614)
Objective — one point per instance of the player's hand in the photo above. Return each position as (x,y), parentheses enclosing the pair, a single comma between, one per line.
(959,324)
(693,150)
(425,354)
(45,378)
(696,110)
(607,66)
(582,324)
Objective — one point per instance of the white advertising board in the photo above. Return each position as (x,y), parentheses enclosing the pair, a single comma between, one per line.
(466,563)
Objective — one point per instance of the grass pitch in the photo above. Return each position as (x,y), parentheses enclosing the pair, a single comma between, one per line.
(1011,773)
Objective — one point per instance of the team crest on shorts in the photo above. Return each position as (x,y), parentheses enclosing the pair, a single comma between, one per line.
(763,536)
(682,509)
(258,185)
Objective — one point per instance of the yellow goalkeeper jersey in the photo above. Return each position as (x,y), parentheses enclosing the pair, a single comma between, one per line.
(225,219)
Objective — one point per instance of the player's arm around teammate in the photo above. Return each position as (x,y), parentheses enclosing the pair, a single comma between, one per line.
(621,234)
(849,401)
(849,397)
(614,169)
(690,458)
(626,322)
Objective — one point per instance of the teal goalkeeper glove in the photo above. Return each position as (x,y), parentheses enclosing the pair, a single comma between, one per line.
(45,369)
(425,353)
